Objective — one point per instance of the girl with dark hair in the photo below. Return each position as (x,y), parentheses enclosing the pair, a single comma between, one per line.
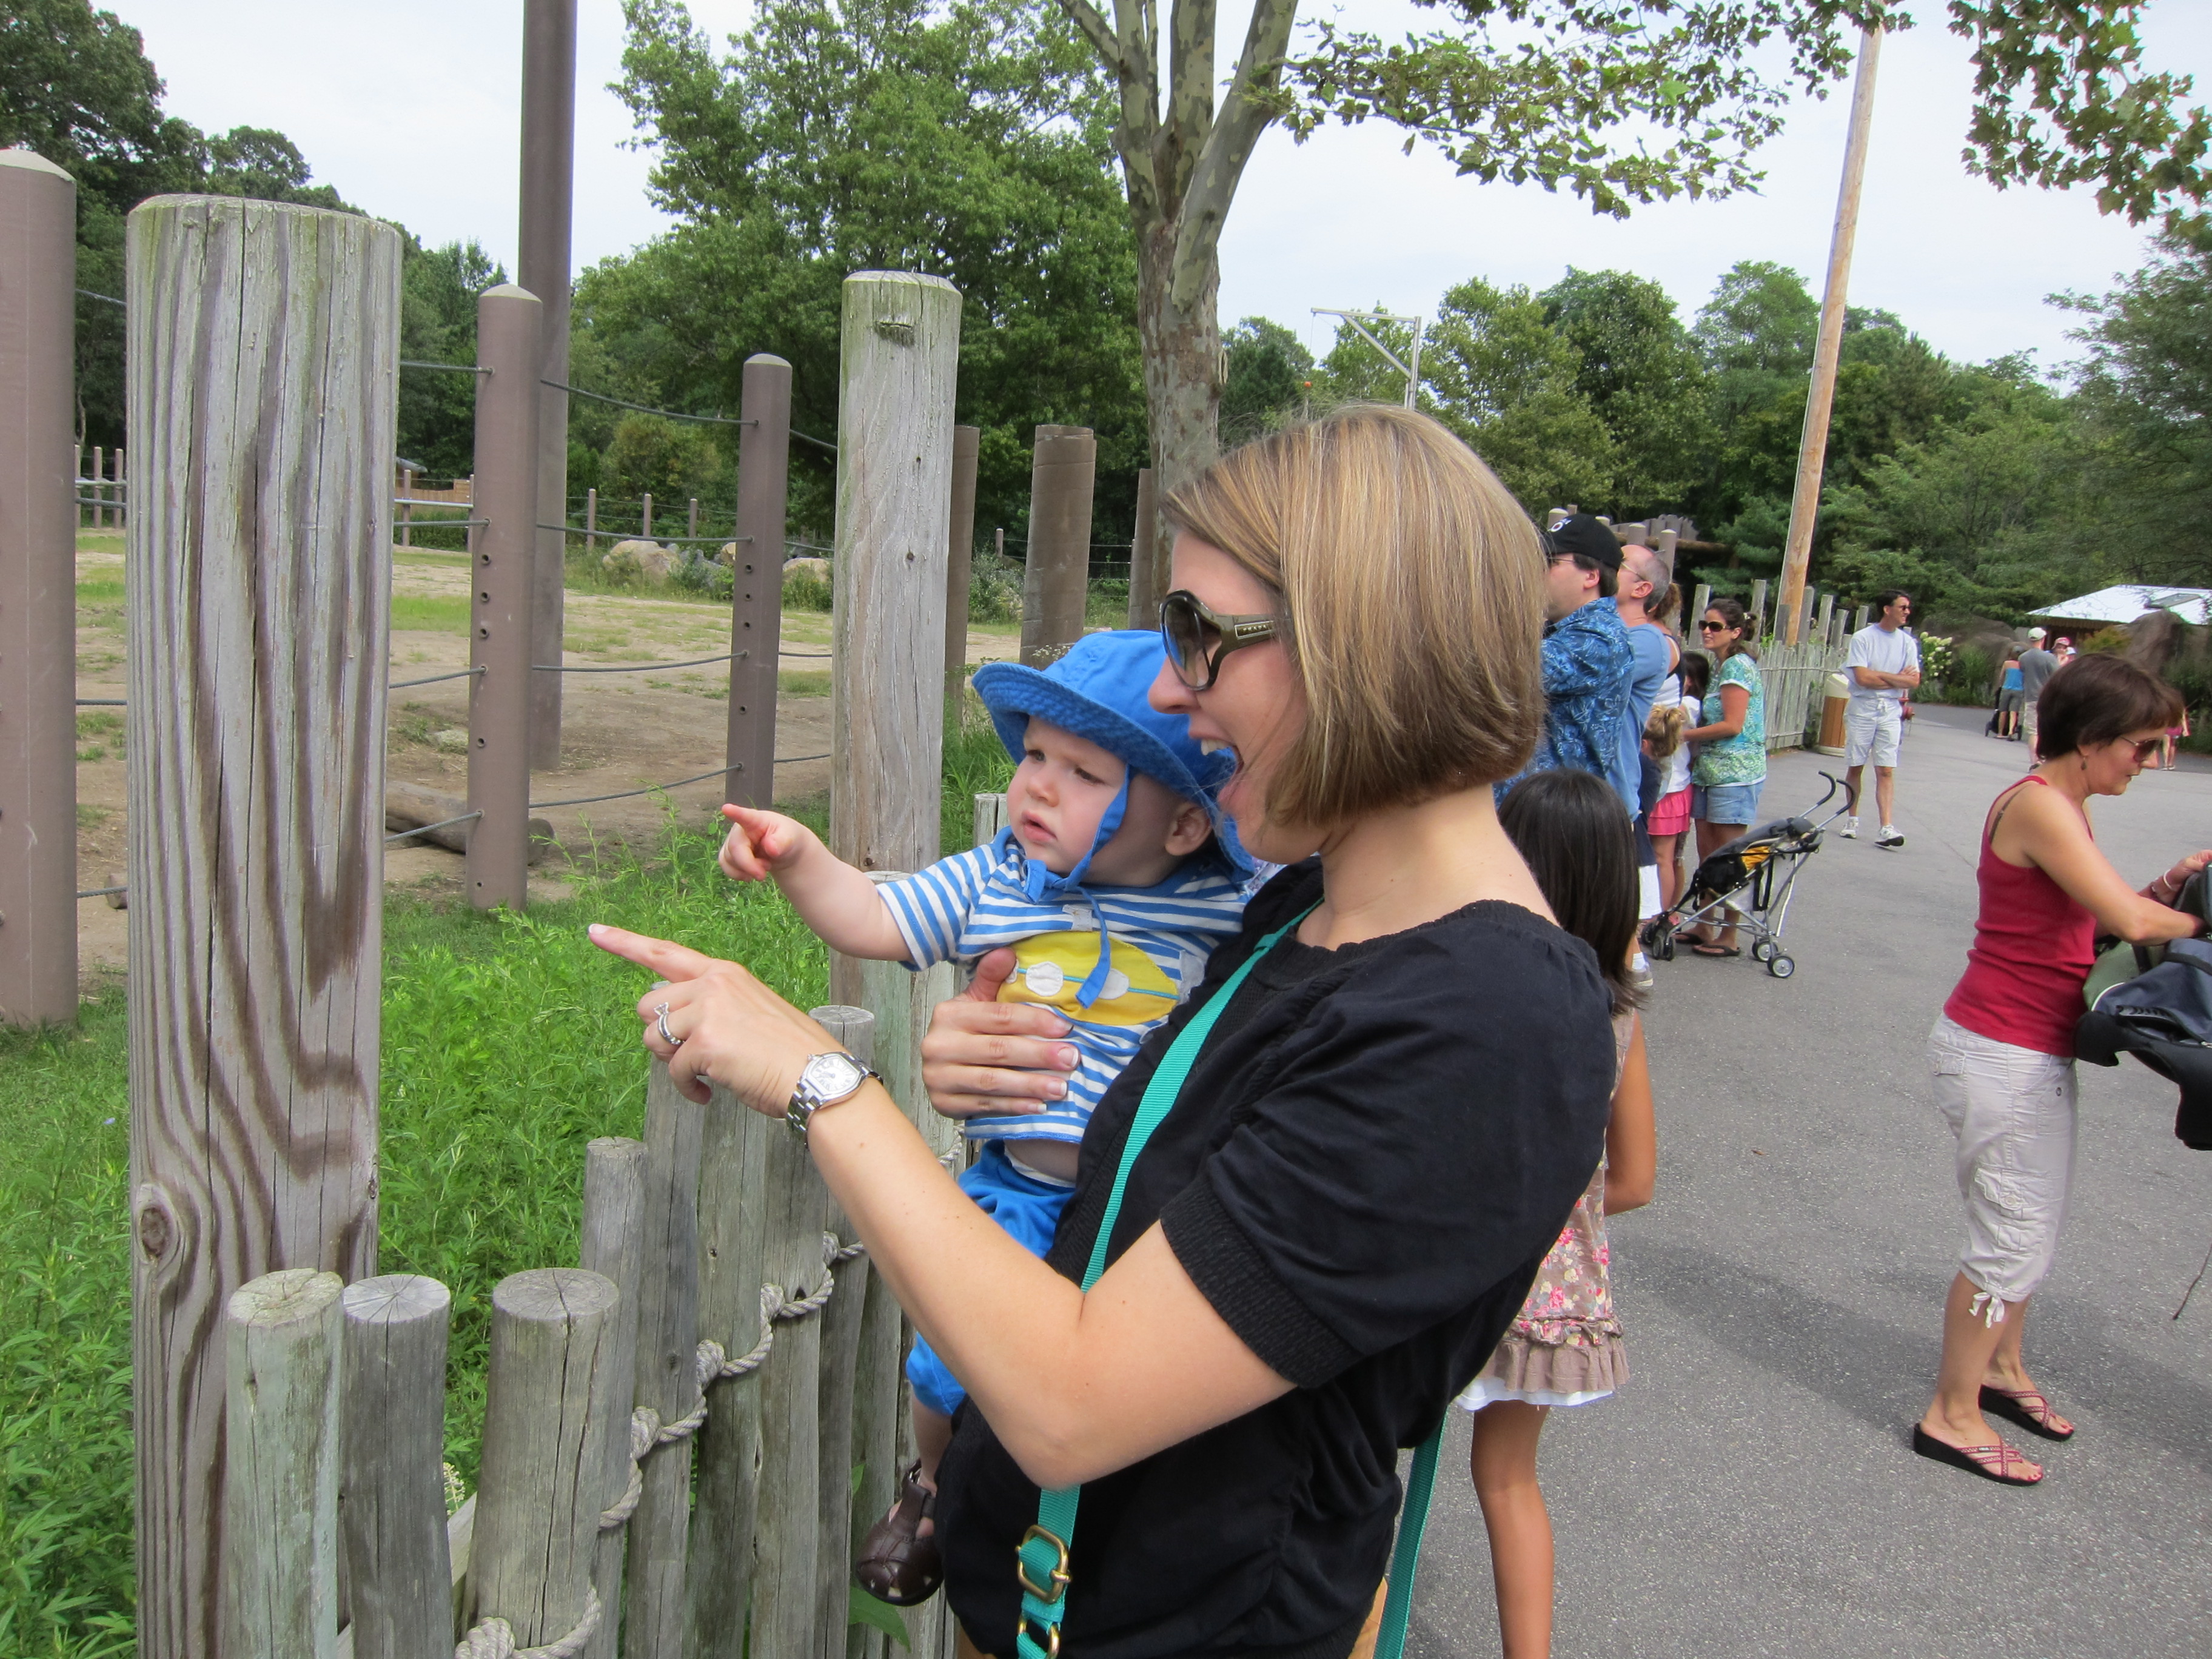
(2001,1053)
(1564,1347)
(1731,764)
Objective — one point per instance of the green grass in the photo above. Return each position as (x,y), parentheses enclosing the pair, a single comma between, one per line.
(509,1042)
(430,613)
(801,683)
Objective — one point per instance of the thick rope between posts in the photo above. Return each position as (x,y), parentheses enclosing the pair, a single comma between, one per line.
(494,1639)
(648,1433)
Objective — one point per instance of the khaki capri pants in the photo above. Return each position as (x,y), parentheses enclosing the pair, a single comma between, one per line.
(2012,1110)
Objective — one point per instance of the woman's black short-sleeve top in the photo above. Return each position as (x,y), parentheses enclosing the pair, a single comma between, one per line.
(1362,1173)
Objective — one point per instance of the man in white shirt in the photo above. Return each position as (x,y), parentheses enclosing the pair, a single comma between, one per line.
(1884,664)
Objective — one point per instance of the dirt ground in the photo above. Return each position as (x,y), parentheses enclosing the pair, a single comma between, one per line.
(618,730)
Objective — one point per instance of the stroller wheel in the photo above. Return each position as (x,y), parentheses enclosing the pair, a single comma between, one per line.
(1762,949)
(1780,967)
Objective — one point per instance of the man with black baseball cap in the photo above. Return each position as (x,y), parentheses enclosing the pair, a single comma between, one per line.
(1588,660)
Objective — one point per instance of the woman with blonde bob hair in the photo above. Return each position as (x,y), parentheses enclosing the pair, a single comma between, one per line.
(1386,1095)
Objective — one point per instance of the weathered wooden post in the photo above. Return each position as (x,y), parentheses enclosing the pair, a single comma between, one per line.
(1757,622)
(1148,560)
(497,863)
(591,519)
(407,506)
(667,1370)
(121,487)
(645,517)
(1821,628)
(841,1319)
(542,266)
(691,521)
(757,573)
(960,561)
(544,1454)
(38,592)
(283,1340)
(614,1247)
(264,355)
(1056,581)
(99,487)
(397,1573)
(732,1240)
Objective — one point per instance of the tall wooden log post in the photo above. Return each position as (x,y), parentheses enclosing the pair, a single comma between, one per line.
(1148,559)
(757,573)
(1827,348)
(545,1453)
(395,1569)
(959,561)
(1057,579)
(667,1370)
(839,1450)
(38,592)
(614,1245)
(549,147)
(497,863)
(263,369)
(283,1339)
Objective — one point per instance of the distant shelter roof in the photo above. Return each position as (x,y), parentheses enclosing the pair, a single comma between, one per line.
(2125,602)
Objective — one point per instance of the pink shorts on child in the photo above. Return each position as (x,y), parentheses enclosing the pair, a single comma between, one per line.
(1670,814)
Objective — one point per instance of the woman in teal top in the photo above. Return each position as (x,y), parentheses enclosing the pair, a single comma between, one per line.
(1731,762)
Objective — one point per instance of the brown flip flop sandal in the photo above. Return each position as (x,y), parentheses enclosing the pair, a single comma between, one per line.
(896,1564)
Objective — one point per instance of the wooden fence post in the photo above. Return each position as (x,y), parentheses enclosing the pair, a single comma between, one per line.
(121,487)
(262,363)
(691,521)
(841,1319)
(795,1208)
(283,1336)
(396,1570)
(542,266)
(960,561)
(732,1237)
(1057,580)
(1148,560)
(38,592)
(667,1369)
(497,863)
(757,573)
(613,1246)
(1758,627)
(591,519)
(407,506)
(1698,601)
(544,1463)
(645,517)
(99,487)
(902,343)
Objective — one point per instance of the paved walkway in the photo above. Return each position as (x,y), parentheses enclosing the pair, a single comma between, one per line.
(1752,1491)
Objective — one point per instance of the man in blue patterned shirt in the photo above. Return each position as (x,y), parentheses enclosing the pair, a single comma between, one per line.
(1588,660)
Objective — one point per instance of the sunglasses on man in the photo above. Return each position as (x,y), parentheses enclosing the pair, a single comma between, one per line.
(1197,637)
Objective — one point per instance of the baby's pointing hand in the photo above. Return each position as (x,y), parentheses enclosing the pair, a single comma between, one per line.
(759,843)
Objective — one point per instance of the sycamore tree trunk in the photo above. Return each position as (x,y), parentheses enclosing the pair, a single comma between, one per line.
(1181,164)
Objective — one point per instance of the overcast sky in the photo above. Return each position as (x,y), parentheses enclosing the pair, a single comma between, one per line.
(409,108)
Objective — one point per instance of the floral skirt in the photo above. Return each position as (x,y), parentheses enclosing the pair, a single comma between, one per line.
(1591,1363)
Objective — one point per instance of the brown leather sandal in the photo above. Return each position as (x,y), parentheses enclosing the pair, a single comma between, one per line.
(896,1564)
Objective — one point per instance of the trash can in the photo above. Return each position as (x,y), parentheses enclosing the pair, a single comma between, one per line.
(1836,700)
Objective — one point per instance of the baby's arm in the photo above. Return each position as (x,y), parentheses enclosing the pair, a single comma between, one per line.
(839,903)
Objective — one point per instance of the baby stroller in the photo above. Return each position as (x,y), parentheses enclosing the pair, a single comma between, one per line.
(1751,876)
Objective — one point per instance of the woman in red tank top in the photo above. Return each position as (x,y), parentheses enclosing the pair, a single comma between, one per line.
(2001,1053)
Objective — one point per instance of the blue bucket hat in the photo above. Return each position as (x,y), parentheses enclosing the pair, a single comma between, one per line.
(1100,690)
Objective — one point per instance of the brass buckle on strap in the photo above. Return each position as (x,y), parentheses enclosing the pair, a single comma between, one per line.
(1051,1644)
(1058,1586)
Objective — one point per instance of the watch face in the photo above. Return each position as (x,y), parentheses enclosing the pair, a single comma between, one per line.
(832,1076)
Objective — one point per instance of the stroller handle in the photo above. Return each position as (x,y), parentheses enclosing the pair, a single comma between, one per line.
(1851,796)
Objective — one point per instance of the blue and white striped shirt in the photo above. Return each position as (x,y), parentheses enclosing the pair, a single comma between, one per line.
(977,901)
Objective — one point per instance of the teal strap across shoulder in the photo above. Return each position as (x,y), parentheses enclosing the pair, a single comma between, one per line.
(1040,1563)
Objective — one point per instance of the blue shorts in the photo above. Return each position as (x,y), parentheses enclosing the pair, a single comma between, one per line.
(1727,803)
(1030,1210)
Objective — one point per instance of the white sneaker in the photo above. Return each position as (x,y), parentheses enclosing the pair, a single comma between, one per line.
(1850,830)
(1889,837)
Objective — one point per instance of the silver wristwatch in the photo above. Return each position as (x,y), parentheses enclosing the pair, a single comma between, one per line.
(825,1079)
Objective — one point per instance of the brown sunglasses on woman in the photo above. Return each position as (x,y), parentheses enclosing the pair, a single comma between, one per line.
(1197,637)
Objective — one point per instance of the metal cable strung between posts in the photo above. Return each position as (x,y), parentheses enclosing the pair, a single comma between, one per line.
(102,702)
(624,535)
(494,1639)
(110,298)
(425,829)
(451,369)
(101,892)
(638,668)
(458,674)
(625,795)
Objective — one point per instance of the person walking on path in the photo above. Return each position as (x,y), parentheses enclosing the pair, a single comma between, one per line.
(1589,663)
(1286,1266)
(1654,653)
(2002,1052)
(1730,768)
(1883,667)
(2037,665)
(2005,724)
(1564,1348)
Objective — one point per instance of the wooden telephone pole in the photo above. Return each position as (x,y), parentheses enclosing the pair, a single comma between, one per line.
(1813,447)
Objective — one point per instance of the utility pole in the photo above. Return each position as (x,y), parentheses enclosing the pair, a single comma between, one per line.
(548,149)
(1813,446)
(1410,366)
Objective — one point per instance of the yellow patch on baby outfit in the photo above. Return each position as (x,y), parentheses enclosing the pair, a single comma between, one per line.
(1052,966)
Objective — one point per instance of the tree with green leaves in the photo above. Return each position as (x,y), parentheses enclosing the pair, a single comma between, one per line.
(1621,101)
(1270,379)
(1639,374)
(968,141)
